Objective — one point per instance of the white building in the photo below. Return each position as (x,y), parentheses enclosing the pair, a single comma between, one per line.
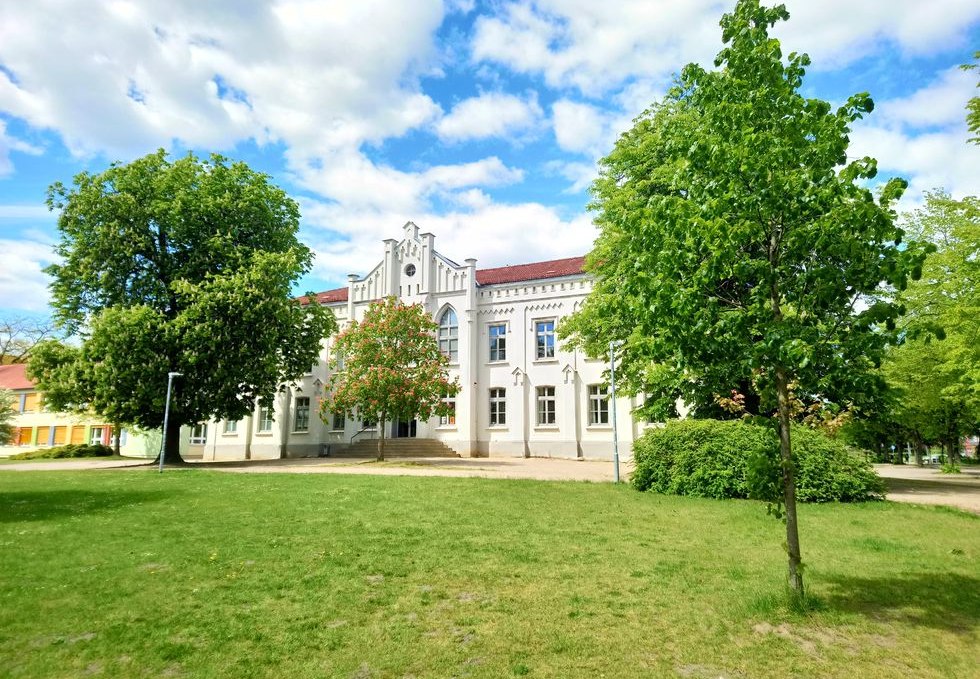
(522,395)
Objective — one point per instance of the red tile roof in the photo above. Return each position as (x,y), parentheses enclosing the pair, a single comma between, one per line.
(555,268)
(15,377)
(327,296)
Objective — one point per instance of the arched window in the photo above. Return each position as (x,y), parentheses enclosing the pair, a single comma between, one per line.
(449,335)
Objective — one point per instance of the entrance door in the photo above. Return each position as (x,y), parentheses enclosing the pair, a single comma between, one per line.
(405,429)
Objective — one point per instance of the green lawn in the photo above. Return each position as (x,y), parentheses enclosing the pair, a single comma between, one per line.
(207,574)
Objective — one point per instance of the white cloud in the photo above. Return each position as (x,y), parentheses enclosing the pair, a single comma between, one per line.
(23,285)
(597,47)
(492,114)
(579,128)
(942,102)
(923,137)
(8,145)
(122,78)
(497,234)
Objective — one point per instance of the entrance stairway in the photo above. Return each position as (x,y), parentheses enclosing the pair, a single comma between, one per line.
(403,447)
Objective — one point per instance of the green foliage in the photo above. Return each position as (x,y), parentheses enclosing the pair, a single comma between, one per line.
(183,265)
(935,372)
(72,450)
(950,468)
(736,238)
(389,366)
(736,459)
(973,106)
(7,404)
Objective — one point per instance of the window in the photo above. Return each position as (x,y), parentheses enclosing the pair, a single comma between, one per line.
(450,417)
(498,342)
(339,422)
(301,421)
(410,270)
(498,407)
(265,420)
(544,332)
(231,426)
(546,405)
(369,423)
(95,436)
(199,435)
(598,404)
(449,335)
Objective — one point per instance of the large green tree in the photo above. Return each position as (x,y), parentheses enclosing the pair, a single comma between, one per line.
(936,370)
(182,265)
(389,366)
(739,249)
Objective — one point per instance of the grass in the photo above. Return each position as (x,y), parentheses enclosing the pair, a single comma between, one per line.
(196,573)
(102,458)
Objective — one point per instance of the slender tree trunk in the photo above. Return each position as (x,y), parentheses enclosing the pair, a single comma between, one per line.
(789,484)
(117,430)
(381,441)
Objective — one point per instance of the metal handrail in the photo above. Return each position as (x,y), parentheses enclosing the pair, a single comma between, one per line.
(374,429)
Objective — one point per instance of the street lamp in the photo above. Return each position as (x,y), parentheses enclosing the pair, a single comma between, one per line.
(166,416)
(612,383)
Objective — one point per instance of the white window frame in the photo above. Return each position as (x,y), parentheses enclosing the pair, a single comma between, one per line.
(297,409)
(448,420)
(448,334)
(263,423)
(95,439)
(497,342)
(498,407)
(230,428)
(598,405)
(338,422)
(547,406)
(543,351)
(199,434)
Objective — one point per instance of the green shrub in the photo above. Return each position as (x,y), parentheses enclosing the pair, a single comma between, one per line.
(712,458)
(72,450)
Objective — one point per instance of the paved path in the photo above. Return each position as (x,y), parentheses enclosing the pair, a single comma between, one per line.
(906,483)
(927,485)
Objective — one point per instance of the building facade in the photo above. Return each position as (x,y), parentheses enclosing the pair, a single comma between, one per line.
(35,426)
(522,393)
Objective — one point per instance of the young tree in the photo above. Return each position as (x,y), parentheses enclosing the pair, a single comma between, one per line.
(7,402)
(185,266)
(389,366)
(736,242)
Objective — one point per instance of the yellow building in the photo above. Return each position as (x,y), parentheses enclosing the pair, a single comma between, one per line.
(37,427)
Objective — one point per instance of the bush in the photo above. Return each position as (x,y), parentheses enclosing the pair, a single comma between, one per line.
(712,458)
(72,450)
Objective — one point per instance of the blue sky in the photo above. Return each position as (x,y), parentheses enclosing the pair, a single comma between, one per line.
(481,122)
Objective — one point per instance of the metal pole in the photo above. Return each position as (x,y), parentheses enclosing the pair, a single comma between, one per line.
(612,383)
(166,417)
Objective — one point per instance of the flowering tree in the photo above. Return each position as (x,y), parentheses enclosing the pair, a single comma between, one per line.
(389,366)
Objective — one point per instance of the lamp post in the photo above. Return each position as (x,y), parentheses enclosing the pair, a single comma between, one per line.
(612,383)
(166,416)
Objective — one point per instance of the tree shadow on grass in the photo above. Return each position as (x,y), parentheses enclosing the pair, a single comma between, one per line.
(947,601)
(43,505)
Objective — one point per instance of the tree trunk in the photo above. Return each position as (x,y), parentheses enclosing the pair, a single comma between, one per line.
(920,449)
(117,430)
(171,454)
(381,441)
(789,485)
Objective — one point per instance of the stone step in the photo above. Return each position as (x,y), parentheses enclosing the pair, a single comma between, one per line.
(401,447)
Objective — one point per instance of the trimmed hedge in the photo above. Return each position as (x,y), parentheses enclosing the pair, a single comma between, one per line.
(735,459)
(68,451)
